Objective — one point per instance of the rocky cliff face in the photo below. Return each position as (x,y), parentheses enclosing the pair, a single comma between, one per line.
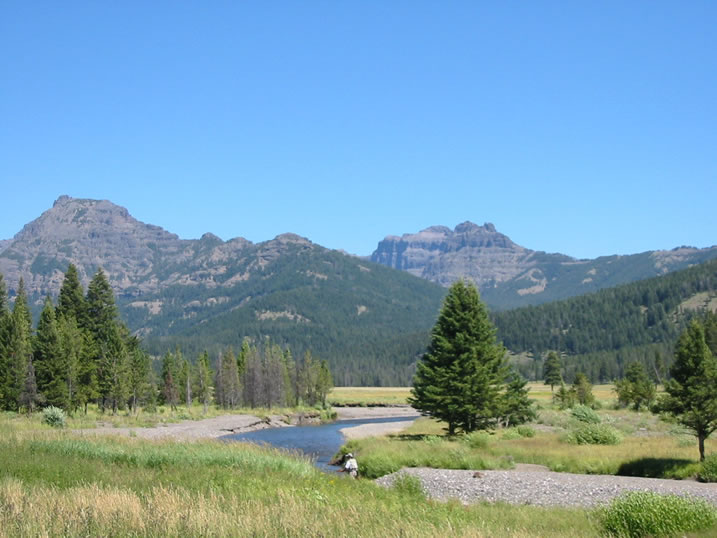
(442,255)
(510,275)
(138,258)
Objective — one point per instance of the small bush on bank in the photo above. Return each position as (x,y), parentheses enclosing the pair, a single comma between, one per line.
(54,416)
(525,431)
(409,485)
(708,469)
(477,439)
(594,434)
(518,432)
(585,414)
(643,513)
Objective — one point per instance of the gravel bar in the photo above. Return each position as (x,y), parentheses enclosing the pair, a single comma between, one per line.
(542,488)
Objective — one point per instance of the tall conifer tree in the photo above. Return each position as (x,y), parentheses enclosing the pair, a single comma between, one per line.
(691,395)
(460,378)
(71,301)
(19,350)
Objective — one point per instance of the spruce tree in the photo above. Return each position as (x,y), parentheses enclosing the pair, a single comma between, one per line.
(460,378)
(49,360)
(636,388)
(170,375)
(4,332)
(140,386)
(72,348)
(691,396)
(204,380)
(517,408)
(18,350)
(551,370)
(71,301)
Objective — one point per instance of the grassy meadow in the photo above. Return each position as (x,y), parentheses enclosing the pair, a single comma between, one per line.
(57,483)
(648,447)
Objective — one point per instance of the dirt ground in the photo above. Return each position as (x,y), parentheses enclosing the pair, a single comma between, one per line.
(212,428)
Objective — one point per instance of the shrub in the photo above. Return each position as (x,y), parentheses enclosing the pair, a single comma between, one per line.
(477,439)
(708,470)
(432,439)
(54,416)
(585,414)
(594,434)
(644,513)
(518,433)
(409,485)
(525,431)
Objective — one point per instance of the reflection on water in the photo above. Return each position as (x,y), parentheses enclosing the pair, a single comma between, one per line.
(318,442)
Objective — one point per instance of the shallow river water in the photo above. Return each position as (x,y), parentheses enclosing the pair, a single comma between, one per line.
(318,442)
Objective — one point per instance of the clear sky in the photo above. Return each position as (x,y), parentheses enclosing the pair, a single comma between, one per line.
(588,128)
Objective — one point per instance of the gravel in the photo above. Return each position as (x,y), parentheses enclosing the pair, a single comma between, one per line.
(542,488)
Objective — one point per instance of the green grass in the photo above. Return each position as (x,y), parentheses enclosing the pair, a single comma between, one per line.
(58,484)
(648,447)
(369,396)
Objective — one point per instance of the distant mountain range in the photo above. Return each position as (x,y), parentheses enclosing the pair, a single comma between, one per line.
(370,321)
(510,275)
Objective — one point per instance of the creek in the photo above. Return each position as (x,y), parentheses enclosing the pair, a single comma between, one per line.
(319,442)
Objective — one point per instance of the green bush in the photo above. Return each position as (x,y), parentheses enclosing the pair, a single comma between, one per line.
(708,470)
(594,434)
(511,434)
(518,433)
(433,439)
(54,416)
(479,439)
(644,513)
(409,485)
(585,414)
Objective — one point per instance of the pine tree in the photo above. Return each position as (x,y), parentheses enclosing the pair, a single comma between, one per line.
(230,395)
(170,374)
(204,380)
(691,396)
(18,350)
(72,348)
(459,379)
(139,385)
(551,370)
(517,408)
(49,360)
(4,336)
(29,396)
(71,301)
(583,389)
(635,388)
(325,382)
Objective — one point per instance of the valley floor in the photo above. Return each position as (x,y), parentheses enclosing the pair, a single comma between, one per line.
(211,428)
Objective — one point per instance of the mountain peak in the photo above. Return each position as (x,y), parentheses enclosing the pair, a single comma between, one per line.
(479,253)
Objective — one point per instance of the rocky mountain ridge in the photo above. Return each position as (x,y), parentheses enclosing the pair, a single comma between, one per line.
(138,258)
(142,259)
(510,275)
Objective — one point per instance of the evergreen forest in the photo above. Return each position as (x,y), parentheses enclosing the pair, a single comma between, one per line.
(80,352)
(601,333)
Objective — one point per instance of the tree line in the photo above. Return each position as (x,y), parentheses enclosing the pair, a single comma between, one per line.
(257,376)
(81,352)
(601,333)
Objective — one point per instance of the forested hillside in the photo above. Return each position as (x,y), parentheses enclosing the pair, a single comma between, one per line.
(601,332)
(370,322)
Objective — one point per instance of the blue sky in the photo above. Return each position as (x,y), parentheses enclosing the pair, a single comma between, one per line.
(588,128)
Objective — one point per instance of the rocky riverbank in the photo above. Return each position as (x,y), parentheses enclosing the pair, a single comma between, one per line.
(528,485)
(211,428)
